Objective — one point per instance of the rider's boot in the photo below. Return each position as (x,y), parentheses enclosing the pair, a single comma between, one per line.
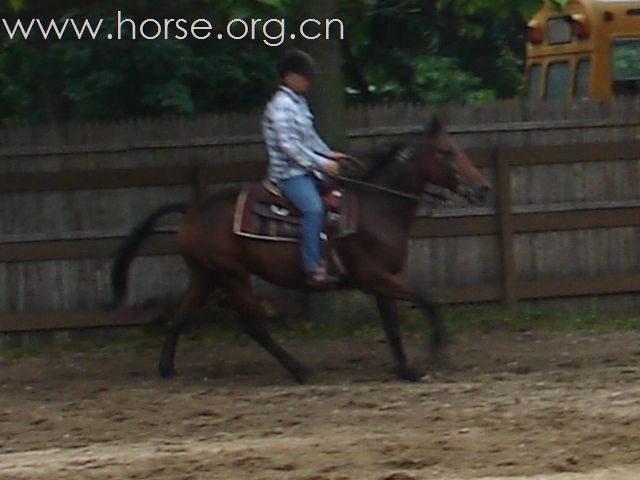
(319,278)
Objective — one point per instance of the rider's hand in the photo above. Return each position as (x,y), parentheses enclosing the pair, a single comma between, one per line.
(331,168)
(337,156)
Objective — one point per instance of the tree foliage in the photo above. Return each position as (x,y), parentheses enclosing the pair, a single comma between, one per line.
(559,3)
(416,50)
(446,50)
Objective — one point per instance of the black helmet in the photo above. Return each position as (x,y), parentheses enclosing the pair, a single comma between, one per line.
(297,61)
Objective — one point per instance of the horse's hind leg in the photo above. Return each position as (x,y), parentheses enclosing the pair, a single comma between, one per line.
(252,317)
(389,312)
(195,298)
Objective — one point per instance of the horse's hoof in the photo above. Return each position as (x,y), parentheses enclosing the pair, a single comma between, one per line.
(409,374)
(301,375)
(166,371)
(440,361)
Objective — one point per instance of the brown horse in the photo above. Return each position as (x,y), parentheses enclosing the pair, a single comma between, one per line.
(373,256)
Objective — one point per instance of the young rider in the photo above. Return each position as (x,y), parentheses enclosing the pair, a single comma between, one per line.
(298,157)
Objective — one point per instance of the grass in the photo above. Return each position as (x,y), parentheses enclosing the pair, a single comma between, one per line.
(67,342)
(488,318)
(362,323)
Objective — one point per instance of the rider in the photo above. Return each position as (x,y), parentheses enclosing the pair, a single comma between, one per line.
(298,157)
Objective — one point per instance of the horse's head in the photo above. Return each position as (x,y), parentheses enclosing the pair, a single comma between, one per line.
(439,161)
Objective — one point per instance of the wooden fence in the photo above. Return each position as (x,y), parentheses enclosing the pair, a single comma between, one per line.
(564,221)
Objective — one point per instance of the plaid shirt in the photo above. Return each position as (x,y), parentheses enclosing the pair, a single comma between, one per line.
(293,145)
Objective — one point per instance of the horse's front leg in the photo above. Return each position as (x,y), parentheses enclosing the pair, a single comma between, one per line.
(389,313)
(391,286)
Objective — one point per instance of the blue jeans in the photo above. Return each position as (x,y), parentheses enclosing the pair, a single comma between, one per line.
(303,193)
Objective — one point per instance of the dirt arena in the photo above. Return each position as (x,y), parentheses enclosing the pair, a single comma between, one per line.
(512,406)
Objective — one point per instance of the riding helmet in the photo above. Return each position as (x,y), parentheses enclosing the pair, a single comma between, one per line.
(297,61)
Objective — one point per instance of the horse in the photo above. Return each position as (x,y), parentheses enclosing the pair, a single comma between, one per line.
(373,256)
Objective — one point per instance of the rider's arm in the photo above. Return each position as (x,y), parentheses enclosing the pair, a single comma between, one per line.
(318,144)
(315,140)
(291,140)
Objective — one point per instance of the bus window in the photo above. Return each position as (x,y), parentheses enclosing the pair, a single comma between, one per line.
(559,30)
(625,59)
(583,72)
(557,85)
(533,81)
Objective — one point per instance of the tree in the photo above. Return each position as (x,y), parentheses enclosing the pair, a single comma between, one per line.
(327,95)
(435,51)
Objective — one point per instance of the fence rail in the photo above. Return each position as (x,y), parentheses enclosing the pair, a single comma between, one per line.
(70,180)
(357,133)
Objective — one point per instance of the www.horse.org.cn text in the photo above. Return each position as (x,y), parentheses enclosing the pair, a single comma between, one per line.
(272,32)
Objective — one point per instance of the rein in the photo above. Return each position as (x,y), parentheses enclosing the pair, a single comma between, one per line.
(372,186)
(380,188)
(398,193)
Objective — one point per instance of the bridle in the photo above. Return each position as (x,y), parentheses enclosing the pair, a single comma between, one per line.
(403,156)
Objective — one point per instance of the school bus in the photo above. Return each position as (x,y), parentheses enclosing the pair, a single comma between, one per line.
(588,49)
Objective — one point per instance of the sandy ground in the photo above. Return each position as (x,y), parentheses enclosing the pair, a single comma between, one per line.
(540,406)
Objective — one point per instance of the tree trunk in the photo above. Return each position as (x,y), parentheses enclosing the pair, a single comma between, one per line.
(327,97)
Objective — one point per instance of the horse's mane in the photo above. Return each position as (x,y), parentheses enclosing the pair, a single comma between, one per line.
(379,159)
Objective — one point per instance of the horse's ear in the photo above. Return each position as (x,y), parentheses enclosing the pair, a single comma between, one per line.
(435,126)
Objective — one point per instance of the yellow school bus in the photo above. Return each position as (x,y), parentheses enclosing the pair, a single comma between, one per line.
(588,49)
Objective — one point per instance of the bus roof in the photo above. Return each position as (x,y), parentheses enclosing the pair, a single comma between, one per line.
(614,6)
(618,17)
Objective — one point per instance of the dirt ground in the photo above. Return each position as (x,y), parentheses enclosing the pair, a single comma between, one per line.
(536,405)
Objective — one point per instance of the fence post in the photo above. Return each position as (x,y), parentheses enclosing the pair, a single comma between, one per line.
(505,219)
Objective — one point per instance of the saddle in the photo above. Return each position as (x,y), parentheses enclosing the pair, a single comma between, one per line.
(263,213)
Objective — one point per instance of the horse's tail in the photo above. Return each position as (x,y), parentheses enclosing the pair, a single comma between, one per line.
(128,249)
